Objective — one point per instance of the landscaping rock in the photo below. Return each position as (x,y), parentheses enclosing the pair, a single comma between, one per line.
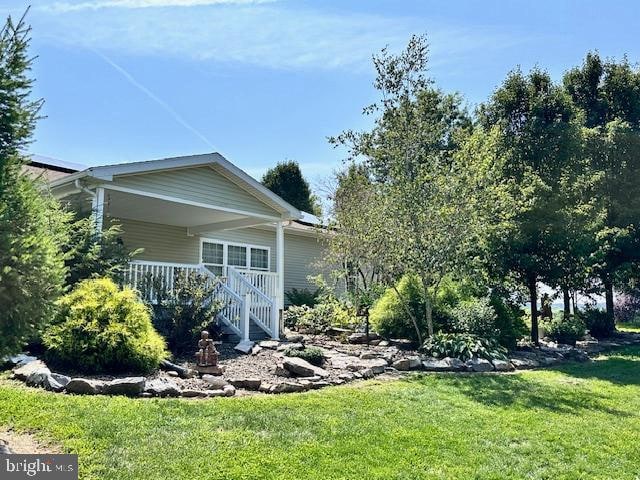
(294,337)
(280,371)
(302,368)
(216,393)
(189,393)
(367,373)
(173,374)
(84,386)
(4,448)
(403,343)
(376,365)
(161,388)
(246,346)
(246,383)
(270,344)
(480,365)
(524,363)
(43,379)
(346,376)
(293,346)
(370,355)
(502,366)
(287,387)
(407,363)
(446,364)
(61,379)
(183,372)
(265,387)
(215,382)
(23,372)
(18,360)
(361,337)
(256,349)
(229,390)
(131,386)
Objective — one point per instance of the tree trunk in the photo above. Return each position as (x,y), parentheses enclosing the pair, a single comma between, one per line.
(608,298)
(408,311)
(567,302)
(533,298)
(574,302)
(428,308)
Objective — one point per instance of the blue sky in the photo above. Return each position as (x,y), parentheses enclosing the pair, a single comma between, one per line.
(264,81)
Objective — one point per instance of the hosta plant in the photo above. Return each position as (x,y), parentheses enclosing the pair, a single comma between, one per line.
(463,346)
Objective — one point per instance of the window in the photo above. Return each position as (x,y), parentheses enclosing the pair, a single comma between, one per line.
(216,255)
(213,257)
(237,256)
(259,259)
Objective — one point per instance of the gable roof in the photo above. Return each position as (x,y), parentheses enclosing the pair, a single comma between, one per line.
(108,172)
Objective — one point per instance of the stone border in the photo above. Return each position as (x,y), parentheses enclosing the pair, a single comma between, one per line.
(299,375)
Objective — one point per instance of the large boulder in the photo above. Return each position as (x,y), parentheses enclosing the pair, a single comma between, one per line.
(407,363)
(502,365)
(287,387)
(480,365)
(361,337)
(61,379)
(84,386)
(22,372)
(161,388)
(131,386)
(245,346)
(246,383)
(376,365)
(302,368)
(446,364)
(214,381)
(44,379)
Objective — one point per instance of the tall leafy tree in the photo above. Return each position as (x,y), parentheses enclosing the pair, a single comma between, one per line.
(426,213)
(537,137)
(32,227)
(286,180)
(608,95)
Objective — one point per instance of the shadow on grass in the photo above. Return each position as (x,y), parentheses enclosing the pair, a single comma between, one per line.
(558,395)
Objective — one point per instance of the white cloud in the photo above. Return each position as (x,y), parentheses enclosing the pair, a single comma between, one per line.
(278,36)
(134,4)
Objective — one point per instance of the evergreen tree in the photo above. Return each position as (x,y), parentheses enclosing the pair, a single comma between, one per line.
(32,227)
(287,181)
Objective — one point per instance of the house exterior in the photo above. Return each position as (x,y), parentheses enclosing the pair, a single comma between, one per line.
(202,213)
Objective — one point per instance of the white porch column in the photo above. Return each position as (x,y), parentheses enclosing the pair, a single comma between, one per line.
(97,206)
(280,264)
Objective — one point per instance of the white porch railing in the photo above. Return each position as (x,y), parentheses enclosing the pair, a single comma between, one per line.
(244,294)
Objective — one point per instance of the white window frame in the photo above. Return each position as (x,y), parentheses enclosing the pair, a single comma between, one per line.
(225,254)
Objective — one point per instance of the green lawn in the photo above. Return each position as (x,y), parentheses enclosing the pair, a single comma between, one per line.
(580,421)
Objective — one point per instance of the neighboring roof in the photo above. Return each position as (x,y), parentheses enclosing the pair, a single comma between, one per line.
(107,172)
(55,164)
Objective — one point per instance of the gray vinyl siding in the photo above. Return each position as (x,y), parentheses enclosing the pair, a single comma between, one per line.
(201,184)
(166,243)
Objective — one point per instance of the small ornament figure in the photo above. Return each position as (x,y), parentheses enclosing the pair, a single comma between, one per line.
(207,355)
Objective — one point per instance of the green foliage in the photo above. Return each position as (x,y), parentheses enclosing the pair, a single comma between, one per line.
(102,329)
(313,355)
(509,320)
(32,226)
(565,330)
(181,314)
(304,296)
(463,346)
(330,312)
(95,256)
(598,323)
(475,316)
(287,181)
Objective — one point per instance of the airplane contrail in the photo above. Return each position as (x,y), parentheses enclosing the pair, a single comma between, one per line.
(176,116)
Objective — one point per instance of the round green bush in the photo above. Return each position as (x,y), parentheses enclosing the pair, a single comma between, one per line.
(313,355)
(565,330)
(102,329)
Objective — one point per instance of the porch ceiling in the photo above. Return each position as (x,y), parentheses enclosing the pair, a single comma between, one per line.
(148,209)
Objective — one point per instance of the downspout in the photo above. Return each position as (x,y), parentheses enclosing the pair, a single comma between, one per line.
(84,189)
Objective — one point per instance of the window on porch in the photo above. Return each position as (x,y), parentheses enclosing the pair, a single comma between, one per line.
(216,255)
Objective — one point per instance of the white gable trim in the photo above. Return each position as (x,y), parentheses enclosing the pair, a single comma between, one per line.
(107,172)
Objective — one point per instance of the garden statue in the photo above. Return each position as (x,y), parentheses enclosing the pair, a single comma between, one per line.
(207,356)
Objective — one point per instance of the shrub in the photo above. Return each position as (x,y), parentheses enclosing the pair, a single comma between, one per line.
(304,296)
(599,324)
(95,256)
(182,314)
(509,320)
(565,330)
(475,316)
(331,312)
(313,355)
(100,328)
(463,346)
